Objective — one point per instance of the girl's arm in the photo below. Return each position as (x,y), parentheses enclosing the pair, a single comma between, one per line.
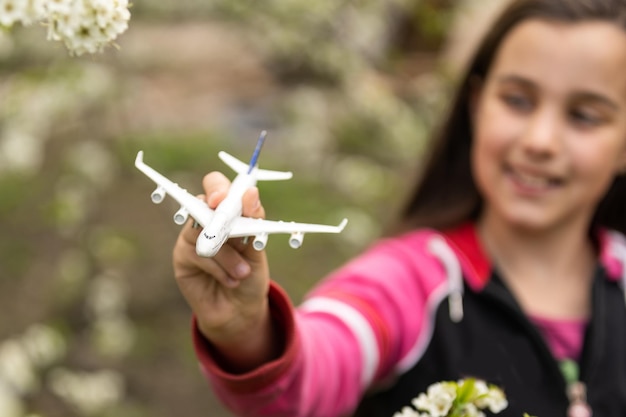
(353,331)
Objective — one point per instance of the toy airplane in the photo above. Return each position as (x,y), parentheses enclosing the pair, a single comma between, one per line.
(226,220)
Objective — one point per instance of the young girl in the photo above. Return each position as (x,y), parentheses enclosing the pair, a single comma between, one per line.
(510,261)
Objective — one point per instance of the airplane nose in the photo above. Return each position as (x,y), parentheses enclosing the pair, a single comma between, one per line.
(205,250)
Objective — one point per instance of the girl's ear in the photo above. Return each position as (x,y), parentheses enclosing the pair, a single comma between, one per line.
(475,92)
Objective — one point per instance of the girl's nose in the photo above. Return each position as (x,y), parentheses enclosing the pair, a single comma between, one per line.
(542,136)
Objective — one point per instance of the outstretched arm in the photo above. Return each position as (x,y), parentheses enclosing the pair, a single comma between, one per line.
(228,292)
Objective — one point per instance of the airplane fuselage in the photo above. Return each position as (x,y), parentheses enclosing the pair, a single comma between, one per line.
(215,234)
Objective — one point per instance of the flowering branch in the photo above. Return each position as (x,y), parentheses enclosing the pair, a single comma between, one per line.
(84,26)
(465,398)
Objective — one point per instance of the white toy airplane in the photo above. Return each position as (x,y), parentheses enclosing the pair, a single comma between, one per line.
(226,220)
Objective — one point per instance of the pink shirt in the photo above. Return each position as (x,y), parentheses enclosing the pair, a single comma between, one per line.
(563,336)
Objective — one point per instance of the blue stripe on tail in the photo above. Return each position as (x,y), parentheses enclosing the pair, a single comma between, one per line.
(257,151)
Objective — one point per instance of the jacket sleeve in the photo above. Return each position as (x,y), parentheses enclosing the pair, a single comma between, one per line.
(352,332)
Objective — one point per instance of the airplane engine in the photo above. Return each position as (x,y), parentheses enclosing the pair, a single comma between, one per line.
(295,240)
(180,217)
(158,195)
(260,241)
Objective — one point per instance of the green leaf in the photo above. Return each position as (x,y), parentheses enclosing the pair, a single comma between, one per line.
(465,392)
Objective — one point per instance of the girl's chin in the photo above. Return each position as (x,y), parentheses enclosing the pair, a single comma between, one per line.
(529,226)
(529,221)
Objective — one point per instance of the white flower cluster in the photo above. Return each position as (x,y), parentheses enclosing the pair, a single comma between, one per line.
(21,360)
(84,26)
(464,398)
(90,392)
(21,11)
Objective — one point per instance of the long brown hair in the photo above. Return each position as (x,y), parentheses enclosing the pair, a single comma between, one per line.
(446,194)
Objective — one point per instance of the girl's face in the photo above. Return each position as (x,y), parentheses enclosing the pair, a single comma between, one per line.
(550,123)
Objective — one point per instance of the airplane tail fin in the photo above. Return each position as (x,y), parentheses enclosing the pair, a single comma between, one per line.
(260,174)
(257,151)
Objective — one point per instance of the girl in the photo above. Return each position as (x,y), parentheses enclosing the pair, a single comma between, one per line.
(510,260)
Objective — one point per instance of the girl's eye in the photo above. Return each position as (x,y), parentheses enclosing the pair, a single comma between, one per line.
(585,118)
(517,102)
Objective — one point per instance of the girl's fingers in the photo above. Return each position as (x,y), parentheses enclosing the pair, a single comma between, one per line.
(227,266)
(221,269)
(232,262)
(215,186)
(252,206)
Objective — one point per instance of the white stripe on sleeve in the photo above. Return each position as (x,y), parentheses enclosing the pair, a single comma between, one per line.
(358,325)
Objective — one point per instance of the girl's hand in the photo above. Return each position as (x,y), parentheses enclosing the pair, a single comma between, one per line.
(228,292)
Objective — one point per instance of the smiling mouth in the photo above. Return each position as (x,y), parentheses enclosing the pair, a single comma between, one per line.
(533,182)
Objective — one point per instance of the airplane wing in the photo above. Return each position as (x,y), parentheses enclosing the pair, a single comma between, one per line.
(247,226)
(196,207)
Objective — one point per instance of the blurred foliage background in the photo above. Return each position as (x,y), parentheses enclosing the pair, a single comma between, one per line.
(92,323)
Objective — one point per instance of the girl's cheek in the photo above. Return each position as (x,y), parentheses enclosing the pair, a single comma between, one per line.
(491,139)
(492,124)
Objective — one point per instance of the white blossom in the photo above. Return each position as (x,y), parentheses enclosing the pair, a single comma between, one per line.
(87,26)
(113,336)
(62,7)
(36,11)
(449,398)
(480,387)
(43,345)
(107,296)
(438,400)
(471,410)
(495,400)
(407,412)
(20,150)
(16,369)
(13,11)
(84,26)
(10,402)
(90,392)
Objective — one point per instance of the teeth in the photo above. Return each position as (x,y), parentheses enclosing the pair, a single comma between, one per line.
(532,181)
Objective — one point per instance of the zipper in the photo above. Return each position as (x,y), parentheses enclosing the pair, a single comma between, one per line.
(592,348)
(497,291)
(595,336)
(573,392)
